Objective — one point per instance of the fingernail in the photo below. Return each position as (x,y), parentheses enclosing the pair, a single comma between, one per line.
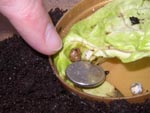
(52,39)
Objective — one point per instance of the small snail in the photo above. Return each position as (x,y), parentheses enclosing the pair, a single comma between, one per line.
(75,55)
(136,88)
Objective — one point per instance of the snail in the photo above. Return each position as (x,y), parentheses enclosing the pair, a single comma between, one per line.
(75,55)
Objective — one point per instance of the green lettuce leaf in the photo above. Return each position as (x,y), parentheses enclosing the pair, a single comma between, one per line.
(110,32)
(120,29)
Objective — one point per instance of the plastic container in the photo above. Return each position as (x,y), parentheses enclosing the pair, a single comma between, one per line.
(122,75)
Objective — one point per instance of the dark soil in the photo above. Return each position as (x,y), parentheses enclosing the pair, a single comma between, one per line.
(28,85)
(56,14)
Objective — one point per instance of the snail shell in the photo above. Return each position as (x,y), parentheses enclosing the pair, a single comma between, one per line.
(75,55)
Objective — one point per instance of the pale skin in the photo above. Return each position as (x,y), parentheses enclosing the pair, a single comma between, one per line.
(33,23)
